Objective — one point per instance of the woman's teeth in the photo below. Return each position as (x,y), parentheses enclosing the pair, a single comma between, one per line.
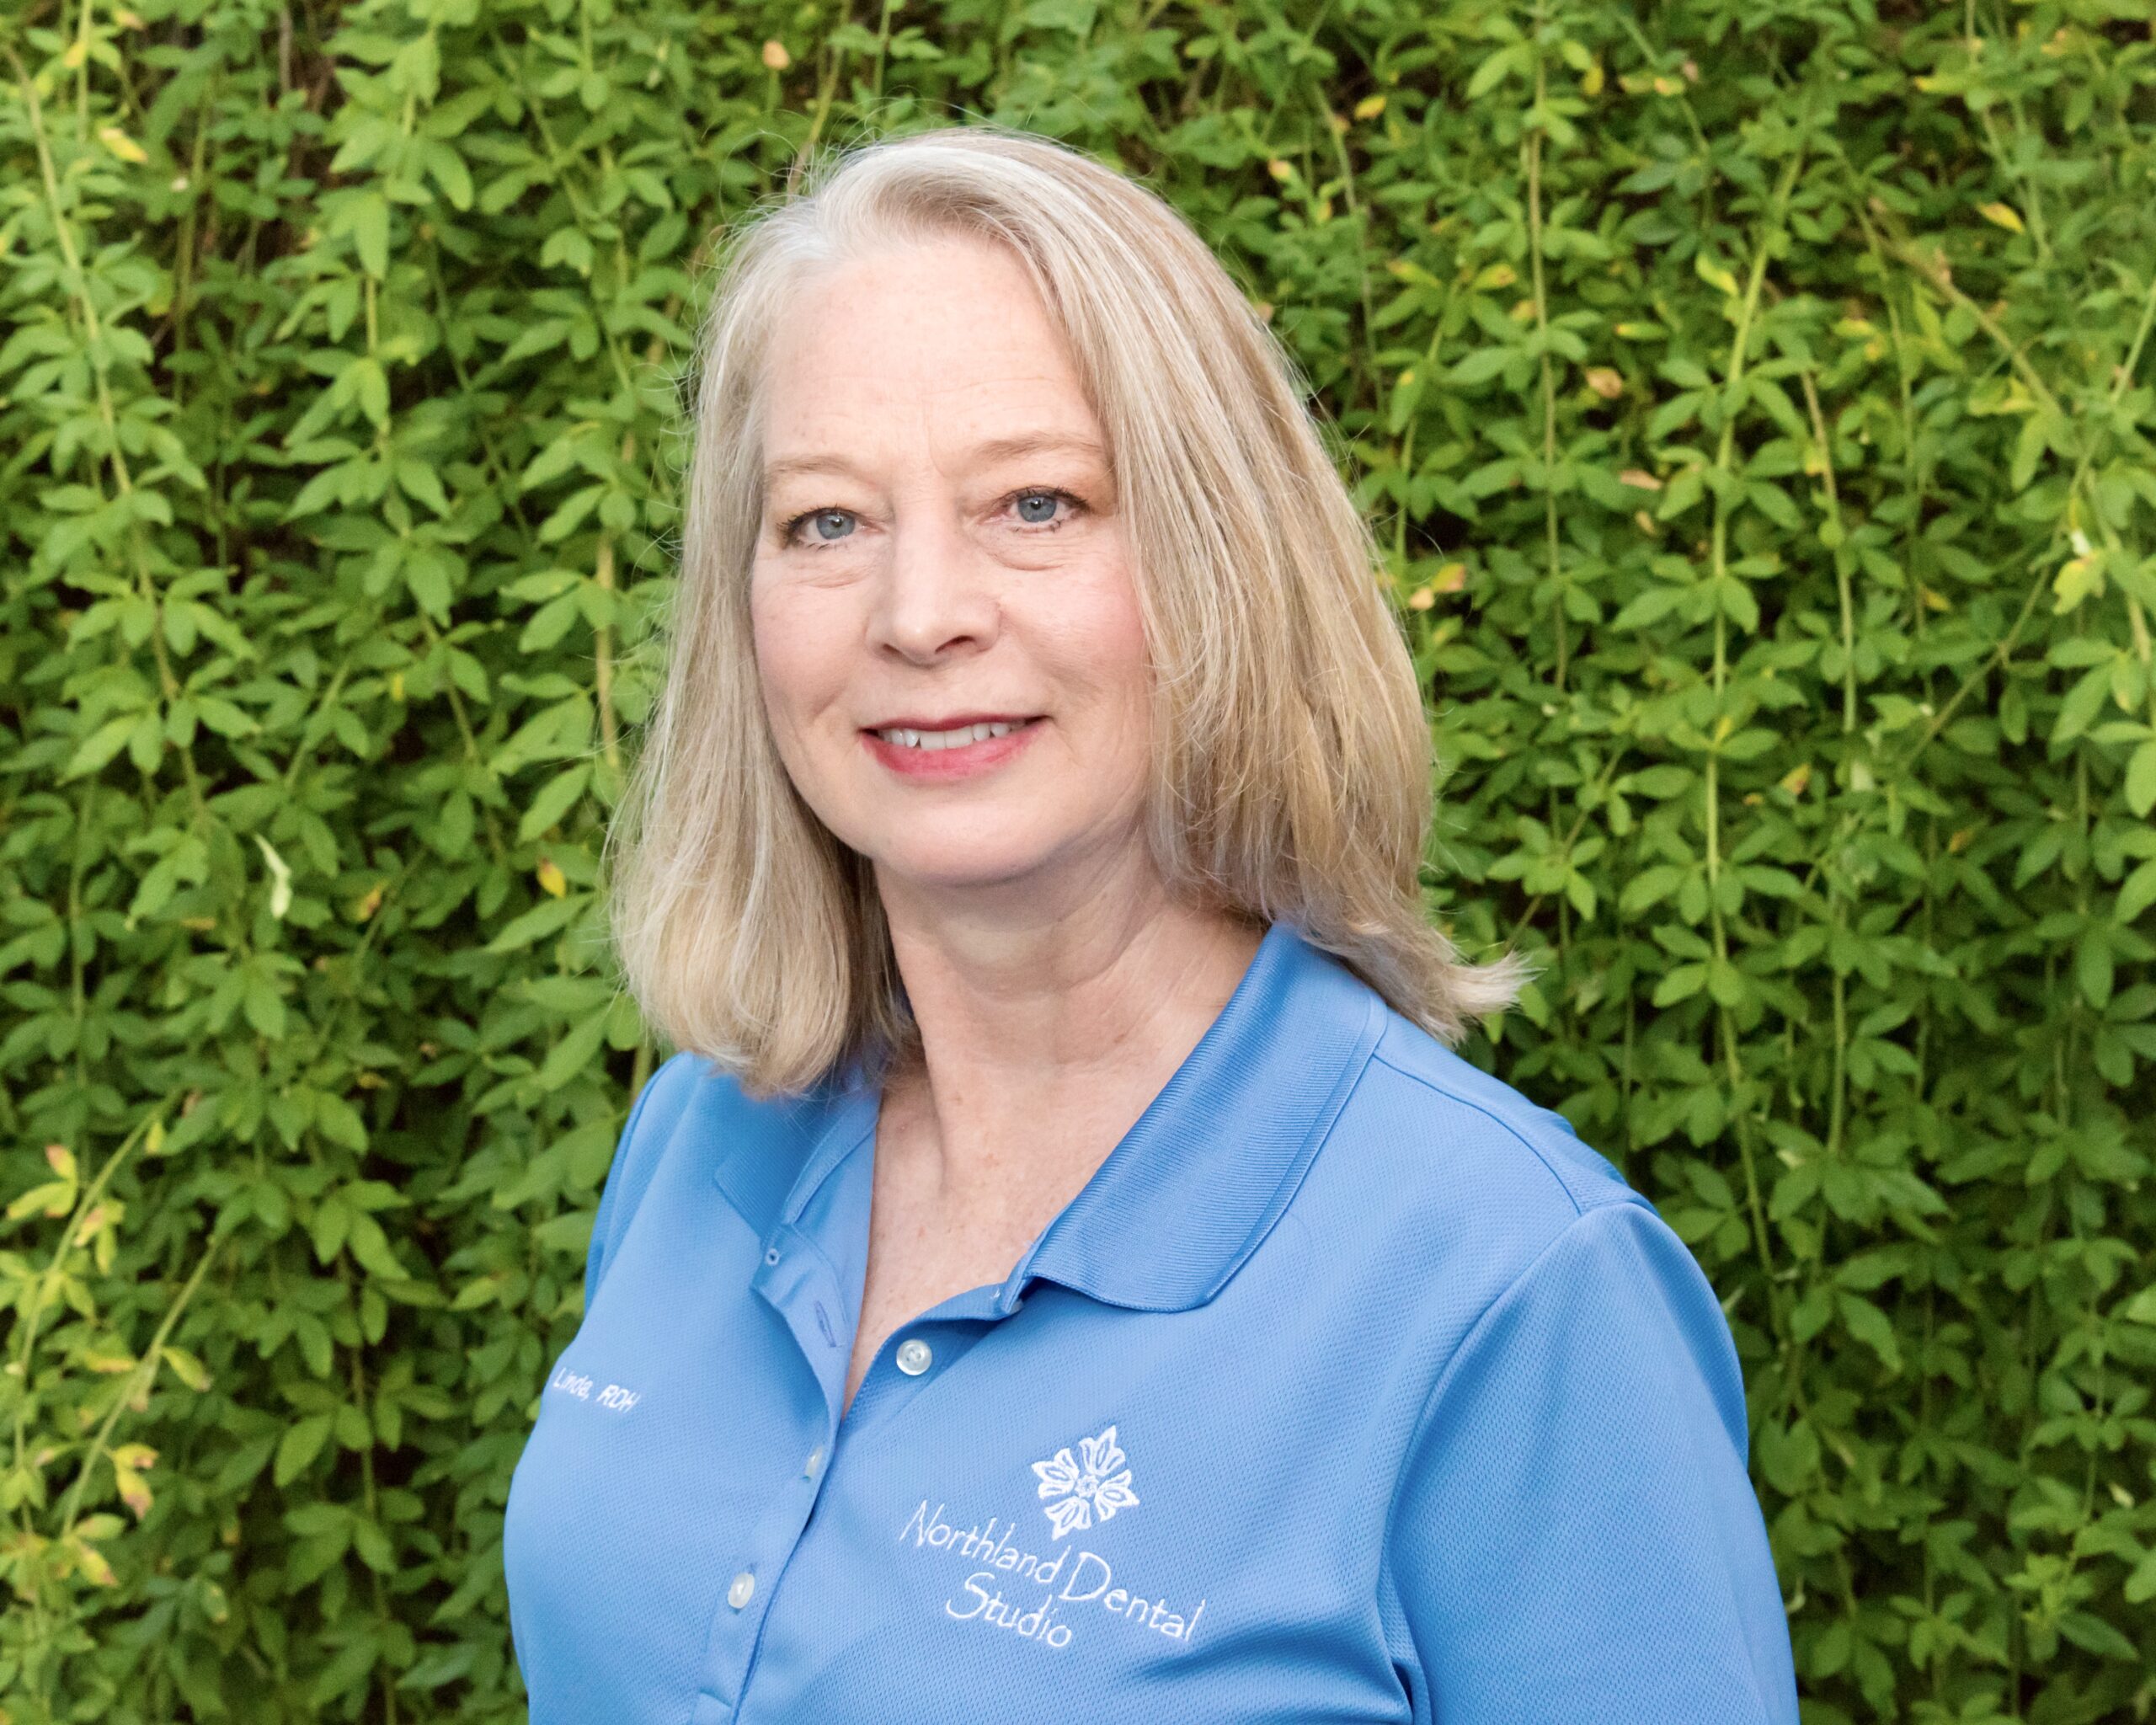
(958,739)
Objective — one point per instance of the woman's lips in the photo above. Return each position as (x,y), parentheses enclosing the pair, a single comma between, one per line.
(937,765)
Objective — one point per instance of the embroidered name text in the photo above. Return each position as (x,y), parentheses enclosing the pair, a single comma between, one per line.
(613,1396)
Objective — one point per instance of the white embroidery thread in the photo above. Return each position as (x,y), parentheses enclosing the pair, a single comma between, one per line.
(1098,1484)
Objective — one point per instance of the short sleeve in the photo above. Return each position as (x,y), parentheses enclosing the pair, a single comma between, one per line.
(1573,1535)
(631,1169)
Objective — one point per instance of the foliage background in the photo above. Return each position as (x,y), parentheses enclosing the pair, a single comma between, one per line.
(1756,400)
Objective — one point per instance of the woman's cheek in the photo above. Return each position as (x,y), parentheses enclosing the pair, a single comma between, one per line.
(800,675)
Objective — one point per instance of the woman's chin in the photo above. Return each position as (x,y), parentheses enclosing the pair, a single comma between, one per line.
(961,866)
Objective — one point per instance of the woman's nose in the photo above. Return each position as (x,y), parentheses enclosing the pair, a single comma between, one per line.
(933,588)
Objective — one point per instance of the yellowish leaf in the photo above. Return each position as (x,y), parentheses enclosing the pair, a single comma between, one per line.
(775,56)
(1640,479)
(551,877)
(190,1370)
(121,145)
(1713,274)
(1605,382)
(1369,107)
(134,1492)
(2003,214)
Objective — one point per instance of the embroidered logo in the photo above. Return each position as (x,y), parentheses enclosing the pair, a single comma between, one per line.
(1077,1492)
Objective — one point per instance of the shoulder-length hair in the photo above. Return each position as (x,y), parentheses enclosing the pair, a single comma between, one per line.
(1291,758)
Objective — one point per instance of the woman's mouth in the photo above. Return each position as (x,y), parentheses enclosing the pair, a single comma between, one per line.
(957,751)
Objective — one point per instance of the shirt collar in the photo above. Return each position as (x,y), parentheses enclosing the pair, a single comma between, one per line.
(1195,1185)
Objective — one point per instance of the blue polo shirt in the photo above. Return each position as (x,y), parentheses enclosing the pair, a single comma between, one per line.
(1352,1386)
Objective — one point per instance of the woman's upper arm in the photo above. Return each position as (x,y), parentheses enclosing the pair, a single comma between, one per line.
(1573,1535)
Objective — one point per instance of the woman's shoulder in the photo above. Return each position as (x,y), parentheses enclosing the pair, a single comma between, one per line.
(1452,1182)
(693,1087)
(1447,1166)
(1447,1117)
(692,1109)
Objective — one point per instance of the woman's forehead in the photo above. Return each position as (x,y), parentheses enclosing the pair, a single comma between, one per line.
(963,392)
(944,316)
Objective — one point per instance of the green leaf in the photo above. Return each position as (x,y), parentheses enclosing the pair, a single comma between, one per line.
(302,1443)
(370,233)
(1870,1326)
(1496,69)
(574,1053)
(560,794)
(2141,778)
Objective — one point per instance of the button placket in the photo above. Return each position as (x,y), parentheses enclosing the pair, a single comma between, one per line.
(795,1279)
(737,1626)
(956,1326)
(919,1354)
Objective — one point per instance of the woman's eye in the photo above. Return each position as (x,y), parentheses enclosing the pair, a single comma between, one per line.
(819,519)
(1036,508)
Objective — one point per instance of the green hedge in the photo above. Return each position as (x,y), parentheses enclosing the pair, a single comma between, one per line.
(1755,399)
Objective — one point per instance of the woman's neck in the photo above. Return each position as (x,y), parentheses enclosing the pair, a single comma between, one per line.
(1048,1043)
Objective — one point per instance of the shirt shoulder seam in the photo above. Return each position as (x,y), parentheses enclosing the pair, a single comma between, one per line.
(1438,1385)
(1532,1148)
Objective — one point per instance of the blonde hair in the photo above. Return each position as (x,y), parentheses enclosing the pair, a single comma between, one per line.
(1291,772)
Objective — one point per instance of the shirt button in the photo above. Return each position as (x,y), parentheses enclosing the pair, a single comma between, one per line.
(914,1356)
(771,1255)
(745,1584)
(815,1462)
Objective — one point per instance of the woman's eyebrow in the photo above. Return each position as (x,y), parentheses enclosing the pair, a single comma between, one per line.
(995,449)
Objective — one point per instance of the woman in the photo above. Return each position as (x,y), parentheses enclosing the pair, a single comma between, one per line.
(1067,1275)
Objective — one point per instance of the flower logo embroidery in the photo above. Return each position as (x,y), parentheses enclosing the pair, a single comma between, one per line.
(1097,1485)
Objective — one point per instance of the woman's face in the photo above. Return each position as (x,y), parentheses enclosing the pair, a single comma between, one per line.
(941,548)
